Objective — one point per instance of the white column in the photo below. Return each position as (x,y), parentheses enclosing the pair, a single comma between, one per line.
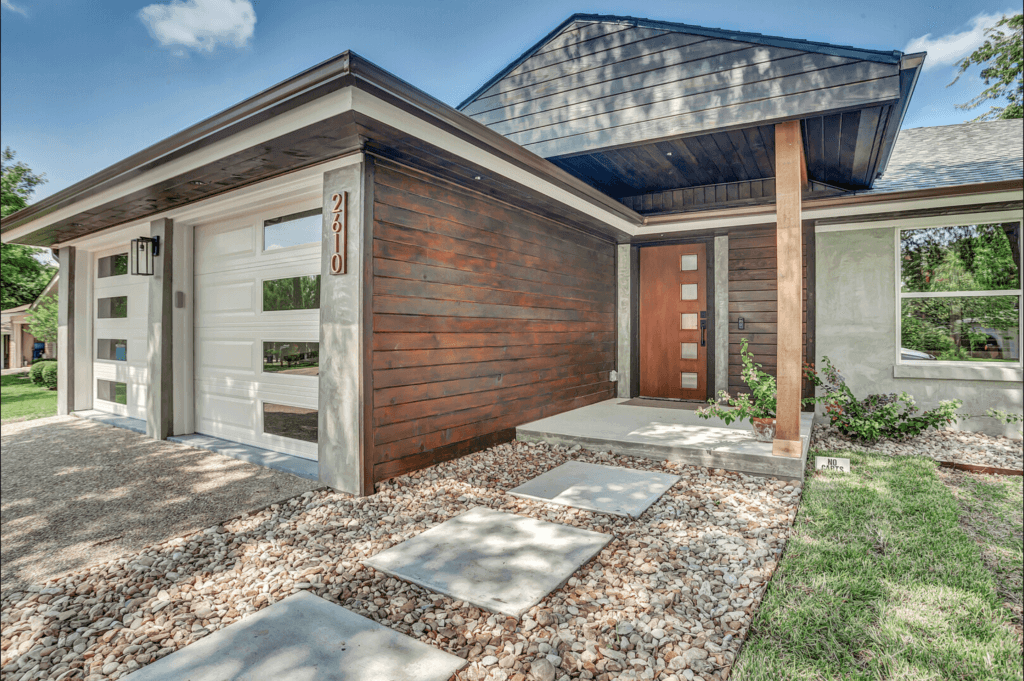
(160,388)
(66,332)
(345,442)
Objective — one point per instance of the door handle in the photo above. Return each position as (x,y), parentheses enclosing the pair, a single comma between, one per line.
(703,326)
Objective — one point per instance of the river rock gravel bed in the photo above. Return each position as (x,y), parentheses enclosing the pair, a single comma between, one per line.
(669,598)
(942,445)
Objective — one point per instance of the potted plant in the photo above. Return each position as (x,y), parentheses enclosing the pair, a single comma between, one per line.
(758,406)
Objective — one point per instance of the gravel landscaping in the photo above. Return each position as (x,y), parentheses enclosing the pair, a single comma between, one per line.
(77,493)
(670,597)
(942,445)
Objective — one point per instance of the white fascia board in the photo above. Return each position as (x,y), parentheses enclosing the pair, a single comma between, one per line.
(853,211)
(332,104)
(932,220)
(374,107)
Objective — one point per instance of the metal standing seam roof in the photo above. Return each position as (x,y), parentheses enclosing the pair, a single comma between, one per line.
(888,57)
(951,155)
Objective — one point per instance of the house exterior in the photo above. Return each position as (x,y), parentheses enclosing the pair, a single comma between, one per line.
(348,270)
(20,347)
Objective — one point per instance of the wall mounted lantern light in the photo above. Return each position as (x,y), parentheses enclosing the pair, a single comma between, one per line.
(143,251)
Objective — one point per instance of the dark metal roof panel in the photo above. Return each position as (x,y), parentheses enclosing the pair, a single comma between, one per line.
(884,57)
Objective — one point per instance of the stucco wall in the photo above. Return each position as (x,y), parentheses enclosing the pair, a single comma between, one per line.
(856,327)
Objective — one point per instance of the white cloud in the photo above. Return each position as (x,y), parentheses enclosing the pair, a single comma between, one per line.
(200,25)
(948,49)
(7,4)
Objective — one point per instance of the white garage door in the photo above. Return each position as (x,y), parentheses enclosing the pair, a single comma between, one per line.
(257,330)
(120,315)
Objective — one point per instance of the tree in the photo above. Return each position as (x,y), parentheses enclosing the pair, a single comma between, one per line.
(22,275)
(1002,69)
(42,321)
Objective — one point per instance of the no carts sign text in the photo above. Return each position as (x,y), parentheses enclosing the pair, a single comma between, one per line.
(831,463)
(339,229)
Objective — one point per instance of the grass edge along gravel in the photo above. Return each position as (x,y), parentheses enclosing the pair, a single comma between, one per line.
(22,400)
(879,581)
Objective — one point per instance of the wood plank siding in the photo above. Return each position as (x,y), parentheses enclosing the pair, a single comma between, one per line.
(485,317)
(752,295)
(600,85)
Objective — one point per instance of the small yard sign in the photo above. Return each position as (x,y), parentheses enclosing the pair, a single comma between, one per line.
(831,463)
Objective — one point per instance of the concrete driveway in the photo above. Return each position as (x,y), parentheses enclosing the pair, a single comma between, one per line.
(76,493)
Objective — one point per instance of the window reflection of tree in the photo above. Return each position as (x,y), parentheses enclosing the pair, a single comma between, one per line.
(292,293)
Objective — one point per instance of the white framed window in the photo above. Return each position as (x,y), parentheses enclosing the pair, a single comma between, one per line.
(959,293)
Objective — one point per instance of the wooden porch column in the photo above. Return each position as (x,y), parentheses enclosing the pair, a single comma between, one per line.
(790,178)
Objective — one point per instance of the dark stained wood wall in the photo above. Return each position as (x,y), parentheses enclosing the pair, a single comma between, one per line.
(753,296)
(485,317)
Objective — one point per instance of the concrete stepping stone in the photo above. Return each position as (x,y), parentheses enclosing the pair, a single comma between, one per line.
(497,561)
(304,638)
(605,489)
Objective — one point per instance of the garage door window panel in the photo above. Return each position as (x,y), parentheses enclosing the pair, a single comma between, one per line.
(114,349)
(296,423)
(112,391)
(115,307)
(112,266)
(291,358)
(291,293)
(297,229)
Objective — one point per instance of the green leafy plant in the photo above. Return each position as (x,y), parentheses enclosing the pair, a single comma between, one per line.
(48,375)
(875,417)
(42,320)
(1006,418)
(35,374)
(758,404)
(1000,58)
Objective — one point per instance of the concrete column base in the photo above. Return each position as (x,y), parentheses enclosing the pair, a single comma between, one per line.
(788,448)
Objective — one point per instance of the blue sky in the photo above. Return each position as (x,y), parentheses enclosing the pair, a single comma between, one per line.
(85,84)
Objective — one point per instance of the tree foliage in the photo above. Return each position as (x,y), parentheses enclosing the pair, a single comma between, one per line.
(22,275)
(966,259)
(1002,69)
(292,293)
(42,321)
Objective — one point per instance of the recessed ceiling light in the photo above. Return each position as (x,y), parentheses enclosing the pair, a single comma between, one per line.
(668,153)
(477,177)
(197,183)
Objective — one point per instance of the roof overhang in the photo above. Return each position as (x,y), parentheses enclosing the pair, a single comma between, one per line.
(341,106)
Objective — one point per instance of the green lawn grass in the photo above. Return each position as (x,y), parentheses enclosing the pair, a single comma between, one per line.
(992,513)
(20,400)
(879,581)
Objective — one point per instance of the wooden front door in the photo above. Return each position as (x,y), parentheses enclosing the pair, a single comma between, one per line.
(673,322)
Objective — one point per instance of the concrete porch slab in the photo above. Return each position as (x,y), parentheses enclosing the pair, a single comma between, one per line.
(501,562)
(668,434)
(605,489)
(304,638)
(286,463)
(123,422)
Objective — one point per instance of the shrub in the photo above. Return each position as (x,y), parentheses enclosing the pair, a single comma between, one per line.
(876,416)
(35,374)
(759,404)
(49,376)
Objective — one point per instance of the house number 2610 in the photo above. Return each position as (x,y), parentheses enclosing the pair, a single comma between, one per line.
(339,227)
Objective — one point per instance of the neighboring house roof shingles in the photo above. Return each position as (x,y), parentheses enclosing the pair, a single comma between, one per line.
(951,155)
